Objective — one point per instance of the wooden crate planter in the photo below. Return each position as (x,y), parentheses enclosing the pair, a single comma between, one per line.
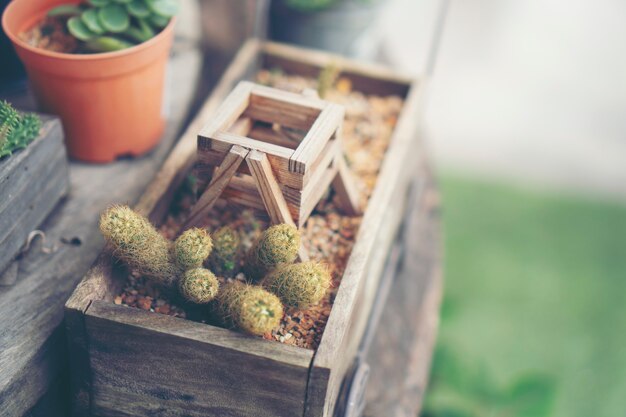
(130,362)
(31,183)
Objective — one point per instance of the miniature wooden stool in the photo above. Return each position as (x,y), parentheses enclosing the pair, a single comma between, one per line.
(292,147)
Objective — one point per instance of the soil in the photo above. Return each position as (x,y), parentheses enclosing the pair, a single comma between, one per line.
(51,34)
(328,235)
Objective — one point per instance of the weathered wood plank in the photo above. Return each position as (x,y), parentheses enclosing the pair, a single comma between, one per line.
(344,187)
(410,319)
(351,308)
(33,349)
(186,368)
(28,195)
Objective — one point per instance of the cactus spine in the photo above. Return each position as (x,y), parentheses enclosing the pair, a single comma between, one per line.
(198,285)
(278,244)
(299,285)
(136,242)
(192,248)
(249,307)
(223,259)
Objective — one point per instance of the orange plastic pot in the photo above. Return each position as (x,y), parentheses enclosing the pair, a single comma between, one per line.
(110,103)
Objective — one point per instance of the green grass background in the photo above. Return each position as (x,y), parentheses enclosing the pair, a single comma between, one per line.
(534,313)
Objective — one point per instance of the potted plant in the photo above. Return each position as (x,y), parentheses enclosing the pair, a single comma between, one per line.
(33,177)
(332,25)
(100,66)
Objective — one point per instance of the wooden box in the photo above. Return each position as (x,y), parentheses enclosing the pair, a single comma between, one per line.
(31,183)
(130,362)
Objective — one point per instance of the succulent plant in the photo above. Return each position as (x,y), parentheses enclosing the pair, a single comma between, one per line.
(16,130)
(299,285)
(198,285)
(327,78)
(112,25)
(249,308)
(278,244)
(136,242)
(192,247)
(223,259)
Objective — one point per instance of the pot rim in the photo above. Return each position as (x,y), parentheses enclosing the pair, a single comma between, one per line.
(80,57)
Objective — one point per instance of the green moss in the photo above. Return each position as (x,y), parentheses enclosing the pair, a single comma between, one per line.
(135,241)
(198,285)
(223,259)
(278,244)
(299,285)
(192,248)
(249,308)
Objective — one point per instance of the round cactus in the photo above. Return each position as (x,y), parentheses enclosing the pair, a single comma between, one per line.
(249,308)
(192,248)
(136,242)
(198,285)
(299,285)
(223,259)
(278,244)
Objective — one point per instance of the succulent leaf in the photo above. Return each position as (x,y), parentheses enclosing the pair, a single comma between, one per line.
(165,8)
(98,3)
(66,10)
(158,21)
(91,20)
(79,30)
(114,18)
(107,44)
(138,9)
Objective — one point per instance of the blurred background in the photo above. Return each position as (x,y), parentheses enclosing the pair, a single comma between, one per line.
(526,125)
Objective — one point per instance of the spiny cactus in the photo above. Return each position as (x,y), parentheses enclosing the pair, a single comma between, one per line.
(111,25)
(136,242)
(16,130)
(192,248)
(198,285)
(249,308)
(299,285)
(278,244)
(223,259)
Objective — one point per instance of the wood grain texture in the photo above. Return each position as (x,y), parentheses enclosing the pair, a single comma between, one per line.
(409,322)
(221,177)
(285,108)
(269,189)
(344,186)
(328,122)
(354,298)
(33,348)
(181,367)
(32,181)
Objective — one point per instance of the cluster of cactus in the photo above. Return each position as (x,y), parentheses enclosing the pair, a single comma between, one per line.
(112,25)
(255,307)
(16,130)
(134,240)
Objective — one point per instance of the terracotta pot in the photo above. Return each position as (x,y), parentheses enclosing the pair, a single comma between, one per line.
(110,103)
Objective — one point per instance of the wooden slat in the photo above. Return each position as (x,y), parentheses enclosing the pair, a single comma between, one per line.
(344,186)
(315,191)
(268,187)
(186,368)
(285,108)
(328,122)
(345,323)
(230,110)
(220,180)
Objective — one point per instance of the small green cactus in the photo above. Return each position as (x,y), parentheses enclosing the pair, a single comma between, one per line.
(16,130)
(136,242)
(198,285)
(223,259)
(249,308)
(299,285)
(112,25)
(192,248)
(278,244)
(327,78)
